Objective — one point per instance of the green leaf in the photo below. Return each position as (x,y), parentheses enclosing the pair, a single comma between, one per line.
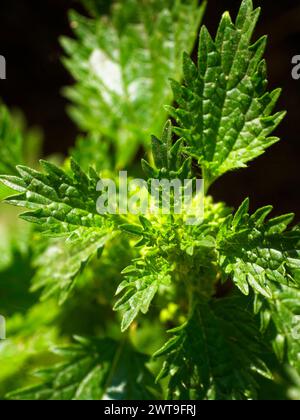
(215,355)
(168,158)
(285,314)
(58,267)
(140,287)
(133,229)
(18,145)
(5,192)
(121,65)
(224,110)
(30,333)
(60,203)
(92,151)
(15,273)
(256,252)
(94,369)
(11,143)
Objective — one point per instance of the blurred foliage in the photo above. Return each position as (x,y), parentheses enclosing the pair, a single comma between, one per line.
(121,66)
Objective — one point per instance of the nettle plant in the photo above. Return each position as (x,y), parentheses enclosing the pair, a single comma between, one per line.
(221,298)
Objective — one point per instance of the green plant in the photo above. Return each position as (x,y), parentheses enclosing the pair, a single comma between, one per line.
(227,289)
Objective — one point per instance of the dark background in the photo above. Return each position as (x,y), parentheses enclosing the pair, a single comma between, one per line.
(29,32)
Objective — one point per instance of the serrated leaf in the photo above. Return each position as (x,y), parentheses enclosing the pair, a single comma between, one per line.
(285,313)
(94,369)
(60,203)
(168,158)
(257,253)
(215,354)
(58,267)
(140,288)
(224,110)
